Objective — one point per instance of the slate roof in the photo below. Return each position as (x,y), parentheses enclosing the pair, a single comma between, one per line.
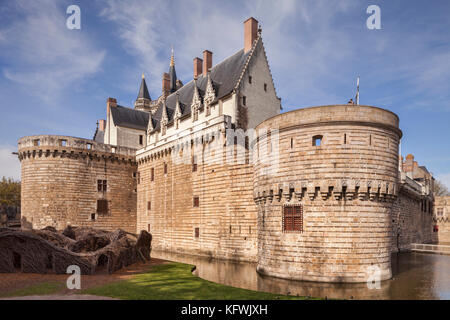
(143,90)
(130,118)
(99,136)
(224,76)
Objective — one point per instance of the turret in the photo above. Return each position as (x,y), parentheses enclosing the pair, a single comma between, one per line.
(143,99)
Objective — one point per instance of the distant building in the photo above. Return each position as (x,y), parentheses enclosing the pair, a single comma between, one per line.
(441,219)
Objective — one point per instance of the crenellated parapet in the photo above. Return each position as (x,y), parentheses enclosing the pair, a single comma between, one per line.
(72,147)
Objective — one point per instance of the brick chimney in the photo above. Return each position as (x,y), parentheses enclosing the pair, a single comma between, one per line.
(165,84)
(207,61)
(110,102)
(101,125)
(197,67)
(250,33)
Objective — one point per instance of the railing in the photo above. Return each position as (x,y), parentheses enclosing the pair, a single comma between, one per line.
(52,142)
(432,248)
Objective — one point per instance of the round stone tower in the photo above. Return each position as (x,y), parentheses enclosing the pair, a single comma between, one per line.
(324,182)
(78,182)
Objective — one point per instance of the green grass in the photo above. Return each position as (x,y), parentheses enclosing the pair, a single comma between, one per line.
(37,289)
(175,281)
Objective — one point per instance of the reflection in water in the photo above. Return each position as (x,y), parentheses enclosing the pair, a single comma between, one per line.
(416,276)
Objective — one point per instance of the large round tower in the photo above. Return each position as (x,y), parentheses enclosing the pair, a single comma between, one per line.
(324,182)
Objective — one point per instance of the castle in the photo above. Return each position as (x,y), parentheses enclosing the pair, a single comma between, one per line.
(212,168)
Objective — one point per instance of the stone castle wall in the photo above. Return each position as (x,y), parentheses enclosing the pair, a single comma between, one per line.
(411,221)
(225,218)
(346,186)
(59,183)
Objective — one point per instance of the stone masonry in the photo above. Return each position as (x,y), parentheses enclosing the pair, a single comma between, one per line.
(60,183)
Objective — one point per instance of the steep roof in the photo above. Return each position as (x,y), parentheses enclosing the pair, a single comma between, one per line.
(130,118)
(99,136)
(143,90)
(224,75)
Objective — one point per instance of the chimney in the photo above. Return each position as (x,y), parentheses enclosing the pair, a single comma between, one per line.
(165,84)
(197,67)
(110,102)
(207,61)
(250,33)
(102,125)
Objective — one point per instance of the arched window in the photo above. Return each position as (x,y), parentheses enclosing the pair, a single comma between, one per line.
(317,140)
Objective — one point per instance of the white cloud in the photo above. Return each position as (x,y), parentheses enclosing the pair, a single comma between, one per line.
(304,58)
(9,163)
(45,56)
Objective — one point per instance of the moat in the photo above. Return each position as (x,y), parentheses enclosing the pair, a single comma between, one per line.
(415,276)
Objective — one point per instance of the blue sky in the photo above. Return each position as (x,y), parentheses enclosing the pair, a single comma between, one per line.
(55,81)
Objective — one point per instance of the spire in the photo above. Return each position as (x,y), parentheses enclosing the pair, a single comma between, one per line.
(172,74)
(143,91)
(172,59)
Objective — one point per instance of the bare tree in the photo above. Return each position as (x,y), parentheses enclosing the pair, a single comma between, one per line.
(440,189)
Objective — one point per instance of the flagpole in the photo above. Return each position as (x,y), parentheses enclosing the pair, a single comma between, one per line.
(357,91)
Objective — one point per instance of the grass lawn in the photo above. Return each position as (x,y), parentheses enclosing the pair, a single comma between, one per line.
(175,281)
(38,289)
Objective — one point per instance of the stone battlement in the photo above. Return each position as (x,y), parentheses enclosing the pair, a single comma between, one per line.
(65,146)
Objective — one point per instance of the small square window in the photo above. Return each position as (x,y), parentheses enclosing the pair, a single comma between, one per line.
(37,142)
(93,217)
(196,202)
(102,185)
(194,163)
(317,141)
(63,142)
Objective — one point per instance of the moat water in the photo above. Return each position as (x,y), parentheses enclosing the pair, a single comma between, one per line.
(415,276)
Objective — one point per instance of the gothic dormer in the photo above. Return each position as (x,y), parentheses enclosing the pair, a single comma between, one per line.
(143,99)
(164,119)
(178,112)
(210,94)
(150,126)
(196,102)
